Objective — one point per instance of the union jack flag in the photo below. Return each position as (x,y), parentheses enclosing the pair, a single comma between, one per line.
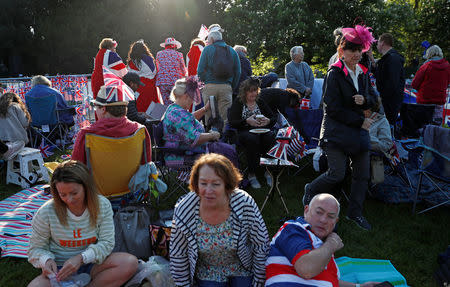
(113,61)
(45,149)
(305,104)
(80,110)
(78,95)
(81,81)
(70,81)
(116,89)
(289,143)
(61,81)
(22,93)
(66,156)
(394,156)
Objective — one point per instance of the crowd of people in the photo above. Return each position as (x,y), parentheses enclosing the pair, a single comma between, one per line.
(219,237)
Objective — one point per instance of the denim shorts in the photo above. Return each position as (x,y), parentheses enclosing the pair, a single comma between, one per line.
(237,281)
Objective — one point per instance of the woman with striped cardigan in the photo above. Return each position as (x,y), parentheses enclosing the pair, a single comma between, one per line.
(218,234)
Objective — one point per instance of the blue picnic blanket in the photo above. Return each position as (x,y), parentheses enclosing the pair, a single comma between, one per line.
(364,270)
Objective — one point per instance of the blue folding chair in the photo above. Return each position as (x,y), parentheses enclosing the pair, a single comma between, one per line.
(308,123)
(44,120)
(435,165)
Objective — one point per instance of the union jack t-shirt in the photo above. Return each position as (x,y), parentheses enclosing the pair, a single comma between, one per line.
(293,240)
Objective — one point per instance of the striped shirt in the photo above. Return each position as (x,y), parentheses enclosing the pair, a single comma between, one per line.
(51,239)
(293,240)
(250,237)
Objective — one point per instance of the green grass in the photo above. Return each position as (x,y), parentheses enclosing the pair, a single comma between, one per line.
(412,243)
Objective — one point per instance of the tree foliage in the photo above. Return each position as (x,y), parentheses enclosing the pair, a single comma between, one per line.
(62,36)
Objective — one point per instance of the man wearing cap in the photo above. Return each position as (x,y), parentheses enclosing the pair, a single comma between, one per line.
(112,122)
(219,87)
(390,77)
(302,251)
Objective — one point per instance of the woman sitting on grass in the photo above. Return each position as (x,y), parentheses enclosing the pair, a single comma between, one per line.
(73,233)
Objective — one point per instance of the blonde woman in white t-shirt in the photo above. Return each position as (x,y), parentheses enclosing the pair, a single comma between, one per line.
(73,233)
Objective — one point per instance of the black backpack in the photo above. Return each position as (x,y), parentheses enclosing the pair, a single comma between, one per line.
(223,63)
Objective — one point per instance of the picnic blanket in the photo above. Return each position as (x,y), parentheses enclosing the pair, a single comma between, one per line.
(16,213)
(363,270)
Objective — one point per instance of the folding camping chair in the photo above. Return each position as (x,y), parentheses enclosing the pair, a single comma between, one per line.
(434,163)
(308,123)
(113,161)
(414,117)
(172,174)
(45,122)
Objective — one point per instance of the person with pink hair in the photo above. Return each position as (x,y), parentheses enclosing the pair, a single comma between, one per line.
(345,129)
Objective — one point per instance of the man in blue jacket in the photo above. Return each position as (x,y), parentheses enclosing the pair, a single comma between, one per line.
(220,71)
(42,87)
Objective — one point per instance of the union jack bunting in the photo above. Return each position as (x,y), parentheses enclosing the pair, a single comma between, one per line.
(116,89)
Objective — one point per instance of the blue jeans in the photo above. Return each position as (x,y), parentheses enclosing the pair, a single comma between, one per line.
(237,281)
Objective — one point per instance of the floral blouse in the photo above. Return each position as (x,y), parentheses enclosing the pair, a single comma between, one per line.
(217,257)
(180,130)
(246,112)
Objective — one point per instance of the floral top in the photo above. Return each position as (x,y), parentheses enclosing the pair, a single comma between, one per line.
(246,112)
(170,67)
(217,257)
(180,130)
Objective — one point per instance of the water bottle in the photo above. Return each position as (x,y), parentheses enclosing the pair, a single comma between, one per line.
(53,281)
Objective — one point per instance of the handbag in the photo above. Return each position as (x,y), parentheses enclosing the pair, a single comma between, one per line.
(131,231)
(376,169)
(160,239)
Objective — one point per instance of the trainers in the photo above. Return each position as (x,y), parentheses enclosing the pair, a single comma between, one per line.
(13,149)
(361,221)
(268,178)
(306,196)
(254,182)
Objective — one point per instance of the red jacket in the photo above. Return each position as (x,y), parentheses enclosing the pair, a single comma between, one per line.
(431,82)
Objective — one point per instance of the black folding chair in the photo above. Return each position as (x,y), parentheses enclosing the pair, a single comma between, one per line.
(435,165)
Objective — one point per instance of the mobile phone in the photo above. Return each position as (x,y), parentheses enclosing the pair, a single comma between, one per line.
(384,284)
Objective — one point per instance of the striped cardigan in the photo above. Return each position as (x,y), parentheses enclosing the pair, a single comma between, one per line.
(249,237)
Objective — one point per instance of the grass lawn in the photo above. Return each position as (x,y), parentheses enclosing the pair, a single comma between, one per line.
(412,243)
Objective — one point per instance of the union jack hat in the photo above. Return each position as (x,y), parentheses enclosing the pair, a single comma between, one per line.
(115,92)
(114,95)
(171,41)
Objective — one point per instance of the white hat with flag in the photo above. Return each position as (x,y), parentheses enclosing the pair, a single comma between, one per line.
(115,92)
